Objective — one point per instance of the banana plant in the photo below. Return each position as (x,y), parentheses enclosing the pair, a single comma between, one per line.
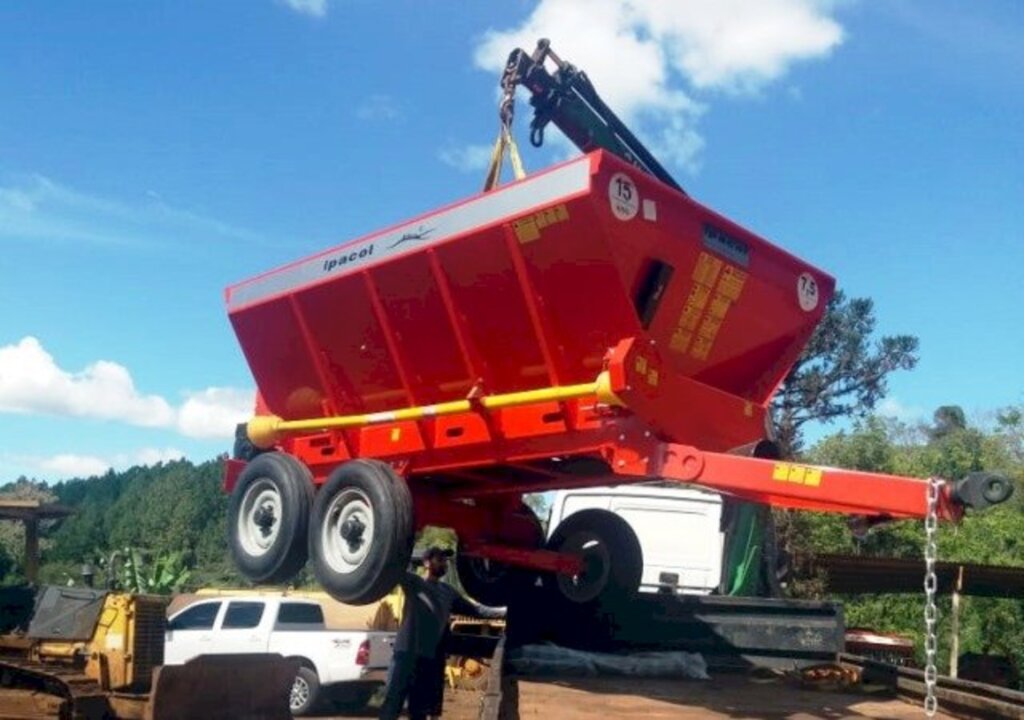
(139,571)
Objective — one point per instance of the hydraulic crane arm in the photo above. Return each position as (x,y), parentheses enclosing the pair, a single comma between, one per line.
(567,98)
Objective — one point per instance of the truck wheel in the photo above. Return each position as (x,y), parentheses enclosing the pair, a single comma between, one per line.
(493,583)
(268,516)
(612,558)
(361,532)
(305,692)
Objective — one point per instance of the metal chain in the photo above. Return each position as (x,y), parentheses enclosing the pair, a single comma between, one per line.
(507,104)
(931,583)
(505,141)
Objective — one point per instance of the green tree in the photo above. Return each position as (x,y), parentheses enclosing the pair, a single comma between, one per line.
(1010,431)
(841,373)
(947,448)
(175,507)
(947,420)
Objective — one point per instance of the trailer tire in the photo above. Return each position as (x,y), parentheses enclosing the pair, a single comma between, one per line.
(361,532)
(497,584)
(613,558)
(268,517)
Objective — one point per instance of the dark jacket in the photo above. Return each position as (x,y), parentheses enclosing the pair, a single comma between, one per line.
(428,605)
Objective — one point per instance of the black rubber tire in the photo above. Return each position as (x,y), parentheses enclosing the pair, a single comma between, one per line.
(496,584)
(614,555)
(387,556)
(309,677)
(293,483)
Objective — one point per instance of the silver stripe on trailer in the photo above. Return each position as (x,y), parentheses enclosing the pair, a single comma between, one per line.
(507,202)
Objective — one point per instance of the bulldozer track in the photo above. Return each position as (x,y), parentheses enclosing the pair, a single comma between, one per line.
(58,692)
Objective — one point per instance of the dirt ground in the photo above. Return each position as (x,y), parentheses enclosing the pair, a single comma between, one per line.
(722,698)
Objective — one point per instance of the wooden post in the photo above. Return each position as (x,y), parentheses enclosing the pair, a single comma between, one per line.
(954,646)
(32,550)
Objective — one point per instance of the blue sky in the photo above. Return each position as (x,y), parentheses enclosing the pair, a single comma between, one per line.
(153,153)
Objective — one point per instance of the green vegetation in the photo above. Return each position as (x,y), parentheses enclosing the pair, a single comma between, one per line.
(136,571)
(163,519)
(950,448)
(842,372)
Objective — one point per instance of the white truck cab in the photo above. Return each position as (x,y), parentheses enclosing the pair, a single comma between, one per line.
(679,529)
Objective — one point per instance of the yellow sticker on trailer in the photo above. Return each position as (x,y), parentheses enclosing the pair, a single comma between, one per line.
(799,474)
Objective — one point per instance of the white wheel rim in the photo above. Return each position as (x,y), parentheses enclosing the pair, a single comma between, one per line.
(259,521)
(299,694)
(587,586)
(347,534)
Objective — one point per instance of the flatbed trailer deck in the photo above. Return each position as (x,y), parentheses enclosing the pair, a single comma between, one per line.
(744,695)
(864,689)
(791,681)
(732,695)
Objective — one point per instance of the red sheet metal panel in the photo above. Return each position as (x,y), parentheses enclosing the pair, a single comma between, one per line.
(525,287)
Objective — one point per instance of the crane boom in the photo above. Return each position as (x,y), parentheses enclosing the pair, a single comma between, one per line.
(567,98)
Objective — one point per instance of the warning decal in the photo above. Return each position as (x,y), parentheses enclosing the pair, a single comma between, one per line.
(716,286)
(807,292)
(623,196)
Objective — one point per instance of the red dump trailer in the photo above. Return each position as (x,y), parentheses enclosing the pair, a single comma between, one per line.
(590,324)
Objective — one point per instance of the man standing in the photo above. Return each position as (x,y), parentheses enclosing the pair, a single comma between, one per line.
(417,666)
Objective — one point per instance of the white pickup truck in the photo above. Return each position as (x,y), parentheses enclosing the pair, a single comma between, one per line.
(345,665)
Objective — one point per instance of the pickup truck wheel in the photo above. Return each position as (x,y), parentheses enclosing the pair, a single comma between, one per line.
(493,583)
(612,558)
(305,692)
(361,532)
(268,517)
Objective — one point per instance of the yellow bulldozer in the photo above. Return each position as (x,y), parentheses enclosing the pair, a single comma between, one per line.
(89,654)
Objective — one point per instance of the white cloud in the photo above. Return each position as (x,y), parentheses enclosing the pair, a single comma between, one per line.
(68,465)
(214,412)
(648,57)
(31,382)
(38,209)
(466,159)
(378,107)
(315,8)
